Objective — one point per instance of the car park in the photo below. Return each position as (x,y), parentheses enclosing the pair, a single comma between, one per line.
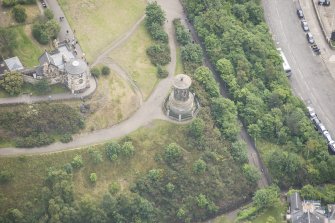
(310,38)
(300,13)
(304,25)
(324,2)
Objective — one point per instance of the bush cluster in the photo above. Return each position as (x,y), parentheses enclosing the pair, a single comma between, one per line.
(34,125)
(45,29)
(159,52)
(96,71)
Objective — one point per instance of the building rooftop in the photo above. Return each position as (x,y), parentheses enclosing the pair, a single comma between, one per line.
(182,81)
(76,66)
(58,57)
(14,64)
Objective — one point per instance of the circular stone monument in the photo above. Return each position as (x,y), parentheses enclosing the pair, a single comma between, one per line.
(181,103)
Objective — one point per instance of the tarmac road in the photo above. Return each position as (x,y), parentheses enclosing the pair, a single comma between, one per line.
(312,79)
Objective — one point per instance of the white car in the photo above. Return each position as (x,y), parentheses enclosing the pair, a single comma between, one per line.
(311,112)
(327,136)
(304,25)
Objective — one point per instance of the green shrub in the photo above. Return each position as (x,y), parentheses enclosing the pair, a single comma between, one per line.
(128,149)
(95,72)
(95,155)
(105,70)
(48,14)
(66,138)
(157,32)
(45,30)
(182,35)
(77,161)
(19,13)
(113,150)
(159,54)
(162,72)
(93,177)
(35,140)
(9,3)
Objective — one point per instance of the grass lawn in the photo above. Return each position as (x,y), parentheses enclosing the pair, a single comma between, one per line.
(113,101)
(179,64)
(30,171)
(6,18)
(275,212)
(133,58)
(27,50)
(99,23)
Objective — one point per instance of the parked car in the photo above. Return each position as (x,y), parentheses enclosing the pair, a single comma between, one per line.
(327,136)
(304,25)
(300,13)
(324,2)
(43,4)
(316,49)
(311,112)
(331,147)
(310,38)
(321,127)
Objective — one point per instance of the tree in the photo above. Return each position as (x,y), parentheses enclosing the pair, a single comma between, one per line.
(105,70)
(19,13)
(12,82)
(239,152)
(45,30)
(48,14)
(8,41)
(159,54)
(182,35)
(77,161)
(199,166)
(113,149)
(196,128)
(172,153)
(95,72)
(128,149)
(205,76)
(266,197)
(95,155)
(42,86)
(251,173)
(154,14)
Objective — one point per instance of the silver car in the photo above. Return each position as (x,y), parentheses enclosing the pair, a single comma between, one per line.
(310,38)
(304,25)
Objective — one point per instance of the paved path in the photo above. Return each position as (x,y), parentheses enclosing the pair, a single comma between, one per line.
(149,111)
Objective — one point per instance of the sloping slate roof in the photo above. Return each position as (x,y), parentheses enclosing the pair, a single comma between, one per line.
(45,58)
(14,64)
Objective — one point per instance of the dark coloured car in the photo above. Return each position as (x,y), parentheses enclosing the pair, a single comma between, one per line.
(310,38)
(331,148)
(316,49)
(300,13)
(324,2)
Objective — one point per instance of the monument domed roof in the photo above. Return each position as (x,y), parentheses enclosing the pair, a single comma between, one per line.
(75,66)
(182,81)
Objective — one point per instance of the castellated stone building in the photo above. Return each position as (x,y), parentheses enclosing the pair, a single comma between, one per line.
(61,66)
